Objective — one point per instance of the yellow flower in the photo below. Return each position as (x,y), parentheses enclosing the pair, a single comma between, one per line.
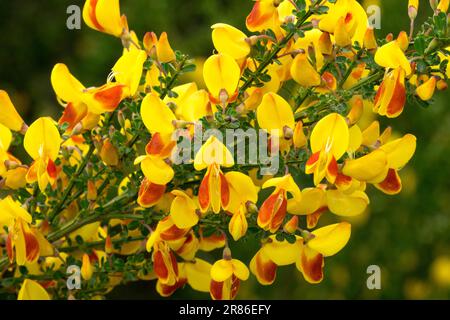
(83,103)
(183,210)
(104,16)
(329,142)
(42,142)
(230,40)
(31,290)
(273,210)
(214,191)
(304,73)
(159,120)
(238,224)
(346,19)
(275,115)
(226,275)
(323,242)
(221,74)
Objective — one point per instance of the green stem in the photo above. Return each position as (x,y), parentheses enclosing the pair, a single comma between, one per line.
(71,185)
(277,48)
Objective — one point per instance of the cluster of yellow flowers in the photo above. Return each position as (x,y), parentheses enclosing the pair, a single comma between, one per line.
(81,193)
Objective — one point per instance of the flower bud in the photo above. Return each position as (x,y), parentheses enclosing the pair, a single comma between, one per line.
(288,133)
(108,245)
(227,253)
(251,207)
(426,90)
(299,136)
(325,44)
(109,154)
(413,7)
(403,41)
(441,85)
(91,191)
(357,108)
(86,268)
(292,225)
(434,4)
(370,41)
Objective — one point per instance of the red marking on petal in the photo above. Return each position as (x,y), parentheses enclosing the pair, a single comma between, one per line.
(257,17)
(156,145)
(392,184)
(150,193)
(224,190)
(203,193)
(343,180)
(93,15)
(272,212)
(109,98)
(313,159)
(73,115)
(267,270)
(216,290)
(9,248)
(333,169)
(31,245)
(51,169)
(235,284)
(159,266)
(312,266)
(398,100)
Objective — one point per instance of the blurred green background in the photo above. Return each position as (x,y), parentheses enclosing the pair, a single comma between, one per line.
(408,235)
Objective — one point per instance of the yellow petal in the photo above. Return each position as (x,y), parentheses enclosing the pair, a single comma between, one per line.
(240,270)
(331,133)
(221,72)
(426,90)
(128,69)
(331,239)
(368,167)
(355,138)
(65,85)
(391,56)
(86,268)
(164,50)
(213,152)
(183,210)
(238,224)
(400,151)
(198,275)
(8,113)
(5,138)
(42,139)
(156,115)
(157,170)
(312,200)
(346,205)
(31,290)
(242,190)
(371,134)
(108,16)
(274,113)
(304,73)
(282,253)
(230,40)
(222,270)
